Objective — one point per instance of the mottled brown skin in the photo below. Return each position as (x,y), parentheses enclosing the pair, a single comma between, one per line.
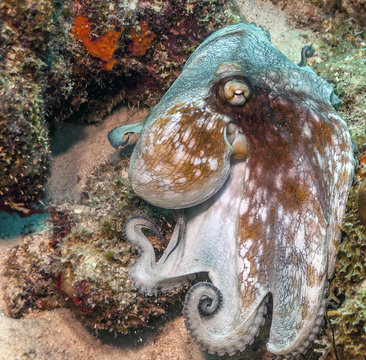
(199,143)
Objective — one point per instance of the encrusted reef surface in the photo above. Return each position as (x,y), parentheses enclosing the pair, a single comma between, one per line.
(313,10)
(83,263)
(64,58)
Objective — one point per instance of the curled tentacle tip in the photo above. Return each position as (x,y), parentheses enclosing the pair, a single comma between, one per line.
(116,140)
(116,135)
(306,53)
(135,224)
(207,297)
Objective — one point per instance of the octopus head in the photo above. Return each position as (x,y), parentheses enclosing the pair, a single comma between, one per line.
(183,155)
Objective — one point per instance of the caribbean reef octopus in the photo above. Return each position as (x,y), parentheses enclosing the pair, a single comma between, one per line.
(247,149)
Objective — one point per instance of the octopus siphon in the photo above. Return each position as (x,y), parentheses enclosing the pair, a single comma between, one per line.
(248,151)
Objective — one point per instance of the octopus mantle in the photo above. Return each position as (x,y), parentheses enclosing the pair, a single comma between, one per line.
(247,148)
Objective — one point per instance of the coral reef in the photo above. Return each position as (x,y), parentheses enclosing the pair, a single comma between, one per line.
(342,62)
(313,10)
(85,261)
(31,284)
(81,58)
(24,155)
(102,47)
(362,203)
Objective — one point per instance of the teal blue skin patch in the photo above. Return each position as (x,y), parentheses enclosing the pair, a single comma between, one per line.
(116,135)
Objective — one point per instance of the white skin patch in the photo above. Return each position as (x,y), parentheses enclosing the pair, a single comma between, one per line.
(306,132)
(213,164)
(246,174)
(300,239)
(244,206)
(244,248)
(260,250)
(171,127)
(200,122)
(259,170)
(196,161)
(209,126)
(263,212)
(246,269)
(280,212)
(198,173)
(178,156)
(185,136)
(278,182)
(191,144)
(176,138)
(167,181)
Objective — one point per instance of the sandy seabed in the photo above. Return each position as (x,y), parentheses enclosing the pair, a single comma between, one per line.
(78,149)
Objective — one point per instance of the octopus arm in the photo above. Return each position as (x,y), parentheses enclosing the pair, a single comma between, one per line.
(116,135)
(298,309)
(217,320)
(171,271)
(216,314)
(299,280)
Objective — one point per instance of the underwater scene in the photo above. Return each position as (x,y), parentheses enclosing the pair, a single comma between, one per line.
(183,179)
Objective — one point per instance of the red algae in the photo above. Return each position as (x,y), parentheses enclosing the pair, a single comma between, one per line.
(141,40)
(102,47)
(362,170)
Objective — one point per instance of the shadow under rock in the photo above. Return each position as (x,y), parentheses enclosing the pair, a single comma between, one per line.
(65,136)
(140,337)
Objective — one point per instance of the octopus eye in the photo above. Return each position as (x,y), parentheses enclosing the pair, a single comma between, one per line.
(235,92)
(237,141)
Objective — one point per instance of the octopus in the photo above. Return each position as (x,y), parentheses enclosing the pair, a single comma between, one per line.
(248,151)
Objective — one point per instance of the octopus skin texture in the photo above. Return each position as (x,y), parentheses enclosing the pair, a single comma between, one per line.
(247,148)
